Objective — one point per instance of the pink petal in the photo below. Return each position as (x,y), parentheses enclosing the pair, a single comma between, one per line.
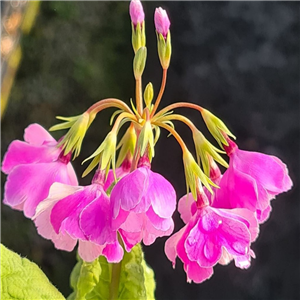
(130,239)
(31,183)
(95,221)
(187,207)
(128,192)
(237,190)
(197,274)
(120,172)
(65,213)
(36,135)
(171,245)
(162,224)
(89,251)
(113,252)
(42,217)
(161,194)
(268,170)
(22,153)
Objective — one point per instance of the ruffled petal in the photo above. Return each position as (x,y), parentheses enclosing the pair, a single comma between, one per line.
(171,245)
(161,194)
(22,153)
(41,219)
(31,183)
(113,252)
(65,213)
(35,134)
(89,251)
(268,170)
(128,192)
(196,273)
(187,207)
(95,221)
(237,190)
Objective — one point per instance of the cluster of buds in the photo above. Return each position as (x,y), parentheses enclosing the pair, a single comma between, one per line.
(128,203)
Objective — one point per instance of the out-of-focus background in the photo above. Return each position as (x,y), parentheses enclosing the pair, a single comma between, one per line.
(238,59)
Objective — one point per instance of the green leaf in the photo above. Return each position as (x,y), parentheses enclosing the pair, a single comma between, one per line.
(93,280)
(23,280)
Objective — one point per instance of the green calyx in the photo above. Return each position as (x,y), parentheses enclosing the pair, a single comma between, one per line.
(193,173)
(127,145)
(139,62)
(203,149)
(216,127)
(146,140)
(164,48)
(138,36)
(105,154)
(78,125)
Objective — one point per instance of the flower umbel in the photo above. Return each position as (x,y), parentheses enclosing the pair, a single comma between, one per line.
(132,203)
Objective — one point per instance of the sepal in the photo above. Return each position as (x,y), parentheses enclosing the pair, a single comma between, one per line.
(78,125)
(105,154)
(216,127)
(138,36)
(193,173)
(204,149)
(164,48)
(145,139)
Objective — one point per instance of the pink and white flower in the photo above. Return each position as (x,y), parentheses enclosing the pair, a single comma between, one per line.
(79,213)
(142,206)
(251,181)
(32,167)
(209,235)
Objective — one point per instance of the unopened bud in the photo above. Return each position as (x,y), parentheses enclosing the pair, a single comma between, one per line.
(136,12)
(162,25)
(148,94)
(139,62)
(162,22)
(138,25)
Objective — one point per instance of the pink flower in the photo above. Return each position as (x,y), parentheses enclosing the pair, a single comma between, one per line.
(142,206)
(200,244)
(79,213)
(162,22)
(136,12)
(251,181)
(32,167)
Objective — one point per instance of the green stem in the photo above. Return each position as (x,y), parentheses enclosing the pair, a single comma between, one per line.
(115,280)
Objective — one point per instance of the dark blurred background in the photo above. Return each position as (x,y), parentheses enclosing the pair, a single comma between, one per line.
(238,59)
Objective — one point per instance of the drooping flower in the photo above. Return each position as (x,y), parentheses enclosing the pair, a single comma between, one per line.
(142,206)
(187,207)
(251,181)
(32,167)
(200,244)
(136,12)
(162,22)
(79,213)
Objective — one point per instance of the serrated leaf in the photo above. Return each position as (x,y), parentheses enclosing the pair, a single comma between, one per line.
(93,280)
(23,280)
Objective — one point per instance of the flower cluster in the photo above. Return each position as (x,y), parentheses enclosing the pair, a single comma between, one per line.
(128,203)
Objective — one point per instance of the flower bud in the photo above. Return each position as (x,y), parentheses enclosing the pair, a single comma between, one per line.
(148,94)
(136,12)
(162,22)
(138,25)
(162,25)
(139,62)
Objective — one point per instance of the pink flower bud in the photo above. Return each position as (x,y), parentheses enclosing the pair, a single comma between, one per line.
(136,12)
(162,22)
